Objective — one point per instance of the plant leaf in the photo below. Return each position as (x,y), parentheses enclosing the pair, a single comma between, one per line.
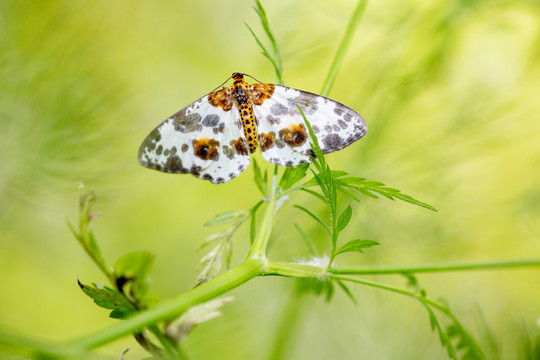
(307,240)
(344,218)
(226,217)
(316,194)
(109,298)
(356,245)
(292,175)
(318,219)
(347,291)
(369,187)
(131,274)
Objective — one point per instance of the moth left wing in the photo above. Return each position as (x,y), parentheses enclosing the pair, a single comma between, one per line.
(283,135)
(202,139)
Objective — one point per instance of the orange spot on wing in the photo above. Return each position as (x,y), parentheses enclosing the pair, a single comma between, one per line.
(260,92)
(205,149)
(221,98)
(267,140)
(239,145)
(294,135)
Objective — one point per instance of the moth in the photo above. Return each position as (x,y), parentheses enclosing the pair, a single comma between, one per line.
(213,137)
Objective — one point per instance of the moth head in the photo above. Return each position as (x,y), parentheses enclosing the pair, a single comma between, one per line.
(237,76)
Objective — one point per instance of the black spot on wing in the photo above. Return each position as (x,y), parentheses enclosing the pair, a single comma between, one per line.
(333,142)
(210,120)
(186,123)
(278,109)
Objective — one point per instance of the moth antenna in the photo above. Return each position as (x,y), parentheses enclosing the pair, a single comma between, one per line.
(221,86)
(260,82)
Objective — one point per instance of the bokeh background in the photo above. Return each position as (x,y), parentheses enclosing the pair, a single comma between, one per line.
(451,94)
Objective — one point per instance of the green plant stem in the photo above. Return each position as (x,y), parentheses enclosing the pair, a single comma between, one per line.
(287,326)
(172,308)
(340,55)
(459,266)
(292,270)
(258,249)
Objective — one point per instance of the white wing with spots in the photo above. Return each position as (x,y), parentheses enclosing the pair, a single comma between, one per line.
(197,140)
(335,125)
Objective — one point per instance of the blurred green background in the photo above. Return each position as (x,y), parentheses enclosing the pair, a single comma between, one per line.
(451,94)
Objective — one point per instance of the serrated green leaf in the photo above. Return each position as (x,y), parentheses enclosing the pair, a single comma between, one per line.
(109,298)
(315,217)
(226,217)
(344,218)
(356,245)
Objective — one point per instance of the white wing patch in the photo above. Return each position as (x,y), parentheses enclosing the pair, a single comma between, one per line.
(200,139)
(284,137)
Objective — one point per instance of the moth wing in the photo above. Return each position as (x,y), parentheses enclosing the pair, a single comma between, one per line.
(335,125)
(196,140)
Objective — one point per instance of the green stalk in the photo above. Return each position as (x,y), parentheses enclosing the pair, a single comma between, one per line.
(340,55)
(258,249)
(174,307)
(461,266)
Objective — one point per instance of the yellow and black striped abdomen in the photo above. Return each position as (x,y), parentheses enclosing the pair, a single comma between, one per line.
(245,107)
(248,122)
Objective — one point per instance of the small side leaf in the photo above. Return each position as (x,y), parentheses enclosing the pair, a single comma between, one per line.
(227,217)
(315,217)
(368,188)
(344,218)
(347,291)
(356,245)
(292,175)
